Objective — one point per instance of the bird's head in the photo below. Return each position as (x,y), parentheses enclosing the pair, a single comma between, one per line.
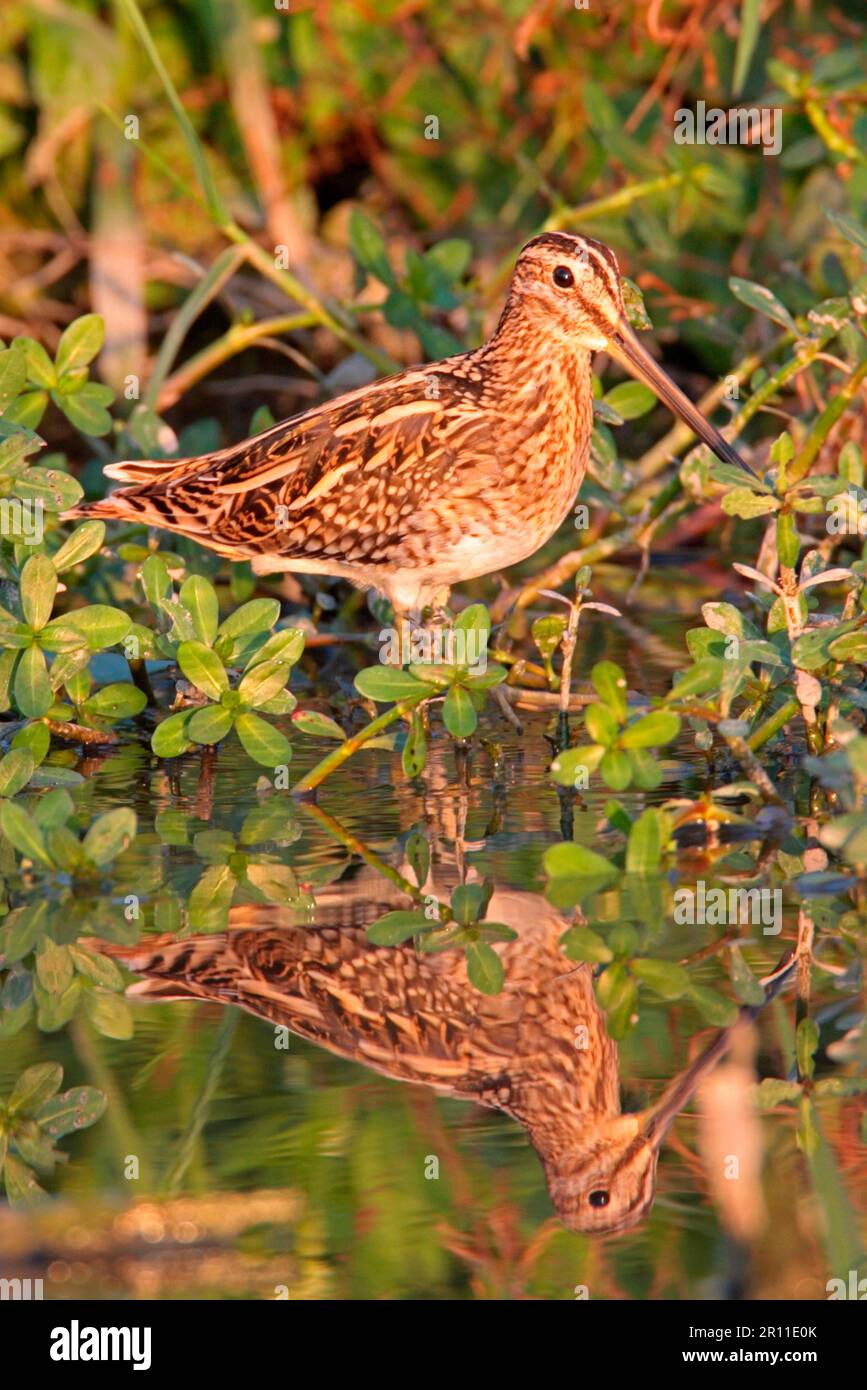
(606,1183)
(571,288)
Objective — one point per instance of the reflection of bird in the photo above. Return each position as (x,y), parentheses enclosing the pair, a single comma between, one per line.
(539,1050)
(439,474)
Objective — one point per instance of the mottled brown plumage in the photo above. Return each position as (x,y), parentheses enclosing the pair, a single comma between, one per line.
(539,1050)
(439,474)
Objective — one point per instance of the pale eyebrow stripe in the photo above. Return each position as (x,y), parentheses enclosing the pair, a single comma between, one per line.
(606,272)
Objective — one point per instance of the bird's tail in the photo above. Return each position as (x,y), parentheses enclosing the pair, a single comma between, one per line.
(149,500)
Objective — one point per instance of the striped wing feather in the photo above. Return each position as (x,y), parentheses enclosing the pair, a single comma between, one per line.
(341,482)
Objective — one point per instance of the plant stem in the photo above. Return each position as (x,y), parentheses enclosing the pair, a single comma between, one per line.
(613,202)
(800,467)
(216,1062)
(236,339)
(313,779)
(286,281)
(772,725)
(356,846)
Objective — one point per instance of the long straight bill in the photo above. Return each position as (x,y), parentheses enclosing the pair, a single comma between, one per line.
(628,351)
(658,1118)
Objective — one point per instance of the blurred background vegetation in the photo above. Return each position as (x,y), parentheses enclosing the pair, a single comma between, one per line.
(348,194)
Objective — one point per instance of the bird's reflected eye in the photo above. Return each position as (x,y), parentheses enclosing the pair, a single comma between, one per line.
(563,277)
(599,1199)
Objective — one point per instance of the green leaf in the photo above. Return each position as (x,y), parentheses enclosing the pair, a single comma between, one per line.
(21,931)
(203,668)
(109,835)
(155,580)
(414,753)
(647,841)
(617,992)
(729,475)
(217,846)
(609,682)
(746,986)
(200,599)
(580,943)
(22,831)
(369,249)
(806,1046)
(713,1007)
(86,408)
(615,769)
(120,700)
(459,714)
(601,724)
(264,744)
(54,808)
(759,298)
(26,410)
(570,860)
(547,633)
(211,898)
(34,1087)
(38,588)
(79,343)
(22,1189)
(772,1092)
(13,376)
(170,738)
(287,645)
(276,882)
(475,618)
(664,977)
(40,368)
(646,772)
(390,683)
(704,675)
(749,29)
(54,968)
(100,625)
(812,649)
(85,541)
(586,757)
(852,647)
(396,927)
(16,769)
(850,229)
(263,682)
(633,303)
(469,902)
(654,729)
(259,615)
(7,666)
(745,503)
(630,399)
(451,256)
(73,1110)
(788,541)
(34,739)
(283,702)
(484,967)
(317,725)
(109,1013)
(96,967)
(210,725)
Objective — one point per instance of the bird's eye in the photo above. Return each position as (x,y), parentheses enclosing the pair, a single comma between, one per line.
(563,277)
(599,1199)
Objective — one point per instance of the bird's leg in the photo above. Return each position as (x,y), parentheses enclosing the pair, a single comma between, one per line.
(437,613)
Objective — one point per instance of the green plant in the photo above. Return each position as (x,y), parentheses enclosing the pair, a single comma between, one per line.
(31,1118)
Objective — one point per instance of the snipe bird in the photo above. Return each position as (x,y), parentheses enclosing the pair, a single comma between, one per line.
(539,1050)
(441,473)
